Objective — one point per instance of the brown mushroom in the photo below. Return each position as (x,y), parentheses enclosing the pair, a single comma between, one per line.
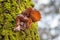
(25,19)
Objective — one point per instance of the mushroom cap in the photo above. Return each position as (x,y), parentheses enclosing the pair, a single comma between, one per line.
(35,15)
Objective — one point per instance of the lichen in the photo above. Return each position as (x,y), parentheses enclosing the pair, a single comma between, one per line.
(9,9)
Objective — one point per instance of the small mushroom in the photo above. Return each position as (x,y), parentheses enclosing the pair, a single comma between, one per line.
(25,19)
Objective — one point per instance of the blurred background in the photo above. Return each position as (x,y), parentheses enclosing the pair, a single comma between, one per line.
(49,25)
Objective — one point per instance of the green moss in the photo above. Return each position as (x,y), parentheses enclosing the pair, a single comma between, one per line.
(9,9)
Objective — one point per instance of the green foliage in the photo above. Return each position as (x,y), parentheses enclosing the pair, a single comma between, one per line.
(9,9)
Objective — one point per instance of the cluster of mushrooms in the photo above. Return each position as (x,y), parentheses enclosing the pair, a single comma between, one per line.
(25,19)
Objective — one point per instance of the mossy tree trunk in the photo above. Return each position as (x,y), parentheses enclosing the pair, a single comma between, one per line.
(9,9)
